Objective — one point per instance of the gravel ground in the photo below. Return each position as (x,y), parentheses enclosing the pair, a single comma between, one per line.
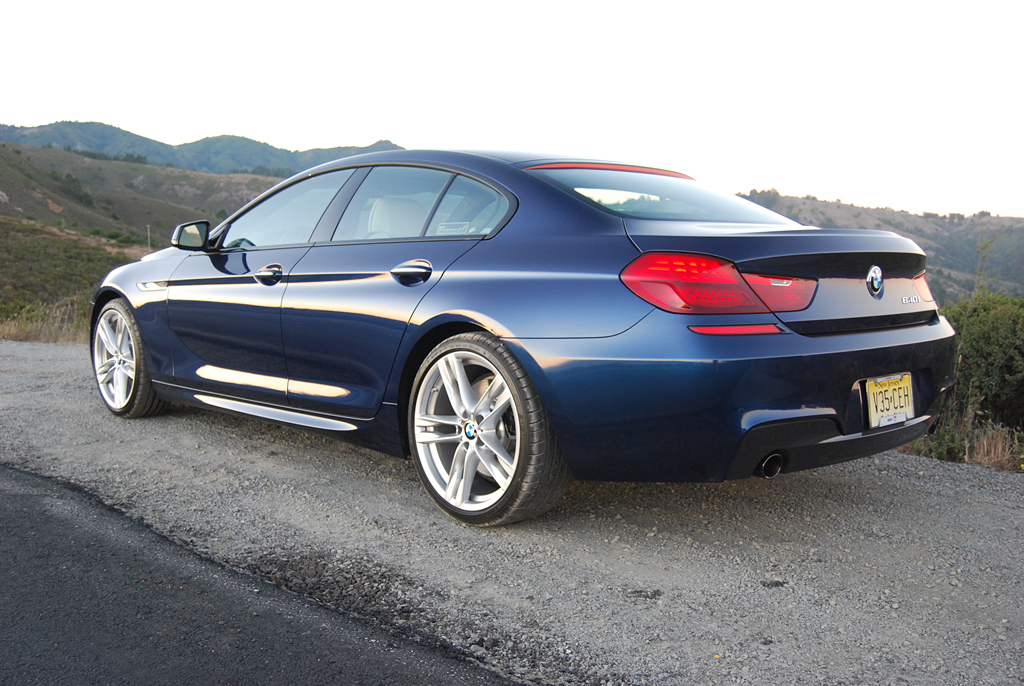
(892,569)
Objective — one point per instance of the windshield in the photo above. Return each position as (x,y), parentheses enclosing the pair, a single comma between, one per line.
(656,196)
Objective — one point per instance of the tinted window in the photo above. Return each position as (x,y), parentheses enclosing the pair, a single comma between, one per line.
(288,216)
(469,208)
(653,196)
(392,202)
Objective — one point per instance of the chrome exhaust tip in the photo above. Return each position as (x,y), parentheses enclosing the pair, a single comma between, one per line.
(770,466)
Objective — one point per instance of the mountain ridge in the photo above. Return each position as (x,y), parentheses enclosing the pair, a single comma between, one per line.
(215,154)
(138,203)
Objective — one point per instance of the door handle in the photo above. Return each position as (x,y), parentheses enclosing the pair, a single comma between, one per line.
(269,275)
(412,272)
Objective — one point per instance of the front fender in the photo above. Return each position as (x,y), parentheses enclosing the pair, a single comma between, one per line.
(143,286)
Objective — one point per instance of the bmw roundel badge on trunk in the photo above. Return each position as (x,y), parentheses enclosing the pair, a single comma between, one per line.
(875,281)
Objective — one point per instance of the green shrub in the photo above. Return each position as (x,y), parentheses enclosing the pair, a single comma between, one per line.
(990,377)
(72,187)
(984,421)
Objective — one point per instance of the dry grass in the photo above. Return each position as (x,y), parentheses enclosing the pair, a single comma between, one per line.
(996,446)
(65,321)
(130,253)
(972,441)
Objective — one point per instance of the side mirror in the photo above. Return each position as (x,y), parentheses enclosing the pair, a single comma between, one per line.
(191,236)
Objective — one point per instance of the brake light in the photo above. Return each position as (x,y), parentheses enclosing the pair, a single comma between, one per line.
(922,288)
(609,167)
(783,294)
(692,284)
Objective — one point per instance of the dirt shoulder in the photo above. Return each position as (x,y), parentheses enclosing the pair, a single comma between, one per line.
(892,569)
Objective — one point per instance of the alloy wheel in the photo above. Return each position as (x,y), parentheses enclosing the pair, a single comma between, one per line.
(114,358)
(466,426)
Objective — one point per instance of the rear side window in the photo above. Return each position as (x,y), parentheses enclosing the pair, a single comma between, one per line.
(469,208)
(654,196)
(392,202)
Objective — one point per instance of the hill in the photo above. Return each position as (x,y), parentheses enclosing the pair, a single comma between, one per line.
(218,154)
(951,241)
(115,199)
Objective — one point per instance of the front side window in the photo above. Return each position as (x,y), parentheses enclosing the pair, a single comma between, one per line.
(288,216)
(392,202)
(656,196)
(469,208)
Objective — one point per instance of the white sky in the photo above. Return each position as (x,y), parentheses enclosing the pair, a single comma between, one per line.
(910,105)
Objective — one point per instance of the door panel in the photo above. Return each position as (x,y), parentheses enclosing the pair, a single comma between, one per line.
(224,309)
(344,315)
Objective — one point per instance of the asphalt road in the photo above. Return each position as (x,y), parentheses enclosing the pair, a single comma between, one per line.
(89,596)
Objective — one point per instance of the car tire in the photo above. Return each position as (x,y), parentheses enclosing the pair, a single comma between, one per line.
(504,443)
(119,363)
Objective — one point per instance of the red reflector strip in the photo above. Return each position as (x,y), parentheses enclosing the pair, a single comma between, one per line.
(610,167)
(742,330)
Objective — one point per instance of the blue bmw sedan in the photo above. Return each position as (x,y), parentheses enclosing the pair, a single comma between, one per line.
(514,321)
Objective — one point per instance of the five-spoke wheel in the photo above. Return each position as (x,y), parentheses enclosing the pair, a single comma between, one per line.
(113,355)
(120,368)
(482,442)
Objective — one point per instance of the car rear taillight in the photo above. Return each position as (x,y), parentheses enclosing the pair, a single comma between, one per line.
(698,284)
(692,284)
(783,294)
(922,288)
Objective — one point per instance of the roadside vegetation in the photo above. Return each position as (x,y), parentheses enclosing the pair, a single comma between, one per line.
(983,422)
(44,296)
(64,321)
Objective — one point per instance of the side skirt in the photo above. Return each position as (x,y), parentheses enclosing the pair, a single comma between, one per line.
(378,434)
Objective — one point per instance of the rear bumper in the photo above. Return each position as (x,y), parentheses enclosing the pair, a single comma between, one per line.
(660,403)
(812,443)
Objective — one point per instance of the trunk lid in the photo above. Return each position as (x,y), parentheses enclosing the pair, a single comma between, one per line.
(838,259)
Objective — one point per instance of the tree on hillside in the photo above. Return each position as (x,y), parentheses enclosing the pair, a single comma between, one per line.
(766,199)
(72,187)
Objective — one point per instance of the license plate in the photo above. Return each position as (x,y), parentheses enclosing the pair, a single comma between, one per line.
(890,400)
